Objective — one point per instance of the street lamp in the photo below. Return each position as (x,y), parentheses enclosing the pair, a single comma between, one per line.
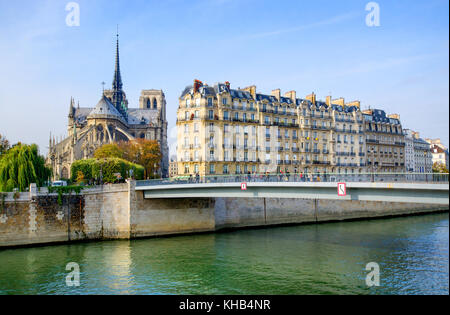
(425,170)
(372,164)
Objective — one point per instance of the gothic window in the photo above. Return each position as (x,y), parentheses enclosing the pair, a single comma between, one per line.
(148,103)
(155,103)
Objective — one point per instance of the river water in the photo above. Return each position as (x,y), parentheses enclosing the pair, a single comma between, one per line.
(412,253)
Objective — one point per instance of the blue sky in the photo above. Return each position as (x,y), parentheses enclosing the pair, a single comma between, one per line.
(322,46)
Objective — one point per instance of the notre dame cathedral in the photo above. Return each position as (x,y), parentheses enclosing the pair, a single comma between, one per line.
(110,121)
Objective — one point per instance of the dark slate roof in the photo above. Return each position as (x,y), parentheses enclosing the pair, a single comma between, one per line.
(207,91)
(105,107)
(420,140)
(379,115)
(300,100)
(286,100)
(81,114)
(322,104)
(241,94)
(337,108)
(221,87)
(351,109)
(187,90)
(269,98)
(137,116)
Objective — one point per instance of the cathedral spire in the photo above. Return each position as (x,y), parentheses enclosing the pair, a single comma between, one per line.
(118,97)
(117,81)
(71,108)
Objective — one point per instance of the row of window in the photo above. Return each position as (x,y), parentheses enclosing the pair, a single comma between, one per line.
(276,109)
(245,169)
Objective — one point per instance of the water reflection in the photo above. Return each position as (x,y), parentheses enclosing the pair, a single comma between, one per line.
(310,259)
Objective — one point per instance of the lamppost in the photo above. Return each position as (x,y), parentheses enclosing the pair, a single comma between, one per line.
(425,170)
(372,164)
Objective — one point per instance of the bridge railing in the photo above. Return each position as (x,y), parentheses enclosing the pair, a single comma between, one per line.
(437,178)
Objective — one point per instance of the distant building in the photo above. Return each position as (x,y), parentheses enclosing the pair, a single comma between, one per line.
(440,155)
(409,150)
(423,161)
(385,142)
(173,166)
(417,153)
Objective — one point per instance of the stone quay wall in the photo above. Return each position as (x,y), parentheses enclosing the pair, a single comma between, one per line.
(121,212)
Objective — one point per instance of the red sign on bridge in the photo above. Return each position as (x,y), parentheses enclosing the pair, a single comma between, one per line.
(342,189)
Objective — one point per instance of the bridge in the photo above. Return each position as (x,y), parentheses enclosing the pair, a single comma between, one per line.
(434,192)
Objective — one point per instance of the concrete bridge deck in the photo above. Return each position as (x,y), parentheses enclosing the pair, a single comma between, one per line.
(424,193)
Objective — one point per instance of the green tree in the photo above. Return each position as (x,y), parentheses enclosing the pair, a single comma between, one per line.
(139,151)
(22,165)
(111,150)
(143,152)
(4,145)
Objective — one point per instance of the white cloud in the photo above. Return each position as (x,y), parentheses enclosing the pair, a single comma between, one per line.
(330,21)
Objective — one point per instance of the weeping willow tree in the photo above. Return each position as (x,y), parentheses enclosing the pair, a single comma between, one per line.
(22,165)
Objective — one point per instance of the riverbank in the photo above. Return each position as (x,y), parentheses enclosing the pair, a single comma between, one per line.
(121,212)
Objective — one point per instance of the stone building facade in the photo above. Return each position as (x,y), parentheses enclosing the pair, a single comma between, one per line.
(385,142)
(439,151)
(111,120)
(239,131)
(418,156)
(173,167)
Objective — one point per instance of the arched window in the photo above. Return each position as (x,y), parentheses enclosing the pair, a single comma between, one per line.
(148,103)
(155,103)
(142,135)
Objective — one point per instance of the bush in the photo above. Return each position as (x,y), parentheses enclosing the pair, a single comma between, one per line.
(91,169)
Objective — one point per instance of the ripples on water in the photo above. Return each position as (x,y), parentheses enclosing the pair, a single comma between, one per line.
(413,254)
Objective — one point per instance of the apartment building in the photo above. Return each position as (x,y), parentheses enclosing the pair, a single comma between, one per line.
(385,142)
(239,131)
(418,157)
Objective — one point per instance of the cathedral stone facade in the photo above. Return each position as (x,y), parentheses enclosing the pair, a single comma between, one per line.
(110,121)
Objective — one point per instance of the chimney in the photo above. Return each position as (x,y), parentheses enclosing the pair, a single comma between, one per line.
(227,84)
(292,95)
(251,90)
(354,103)
(277,94)
(312,98)
(328,100)
(197,85)
(340,101)
(394,116)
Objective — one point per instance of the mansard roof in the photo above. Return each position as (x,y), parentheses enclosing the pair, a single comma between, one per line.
(379,115)
(269,98)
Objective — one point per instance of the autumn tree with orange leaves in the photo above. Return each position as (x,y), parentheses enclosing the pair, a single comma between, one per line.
(140,151)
